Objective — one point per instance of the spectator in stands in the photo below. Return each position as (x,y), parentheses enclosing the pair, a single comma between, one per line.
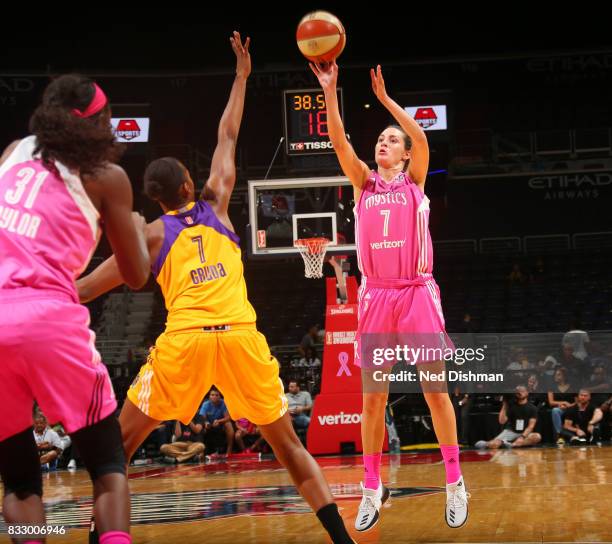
(467,326)
(516,276)
(606,423)
(309,340)
(577,339)
(538,272)
(187,442)
(546,366)
(519,418)
(599,381)
(66,455)
(467,329)
(217,422)
(48,442)
(521,364)
(536,393)
(560,397)
(300,404)
(310,358)
(581,420)
(247,429)
(577,369)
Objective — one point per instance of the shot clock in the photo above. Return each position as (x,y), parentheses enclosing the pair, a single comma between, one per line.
(305,116)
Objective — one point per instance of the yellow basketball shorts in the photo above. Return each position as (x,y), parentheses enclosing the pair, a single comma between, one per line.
(183,366)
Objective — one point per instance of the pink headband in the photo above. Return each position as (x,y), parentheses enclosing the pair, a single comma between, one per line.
(97,103)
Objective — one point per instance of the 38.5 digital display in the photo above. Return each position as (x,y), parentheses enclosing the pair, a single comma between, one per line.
(305,116)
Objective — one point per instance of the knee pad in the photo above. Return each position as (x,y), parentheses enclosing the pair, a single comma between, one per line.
(20,465)
(101,447)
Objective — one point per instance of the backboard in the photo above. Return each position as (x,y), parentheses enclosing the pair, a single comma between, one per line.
(283,210)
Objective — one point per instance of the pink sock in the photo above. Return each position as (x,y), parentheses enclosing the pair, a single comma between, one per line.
(33,542)
(451,463)
(371,466)
(115,537)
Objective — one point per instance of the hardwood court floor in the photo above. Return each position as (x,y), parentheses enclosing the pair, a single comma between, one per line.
(538,495)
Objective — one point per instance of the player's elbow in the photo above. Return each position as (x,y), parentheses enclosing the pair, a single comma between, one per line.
(137,280)
(137,276)
(419,139)
(227,135)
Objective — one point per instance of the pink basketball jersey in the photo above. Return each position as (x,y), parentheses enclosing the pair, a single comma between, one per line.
(48,225)
(392,229)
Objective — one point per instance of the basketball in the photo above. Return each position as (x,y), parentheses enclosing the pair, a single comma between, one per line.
(320,36)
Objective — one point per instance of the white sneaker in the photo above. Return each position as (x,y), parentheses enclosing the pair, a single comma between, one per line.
(72,465)
(456,504)
(369,509)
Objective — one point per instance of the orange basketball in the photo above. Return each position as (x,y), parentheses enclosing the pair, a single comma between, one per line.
(320,36)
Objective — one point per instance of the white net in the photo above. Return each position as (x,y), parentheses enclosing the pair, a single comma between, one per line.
(313,252)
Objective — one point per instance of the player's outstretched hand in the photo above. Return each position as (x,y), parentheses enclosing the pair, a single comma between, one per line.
(378,84)
(243,57)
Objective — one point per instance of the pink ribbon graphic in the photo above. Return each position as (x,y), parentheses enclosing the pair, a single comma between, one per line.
(343,358)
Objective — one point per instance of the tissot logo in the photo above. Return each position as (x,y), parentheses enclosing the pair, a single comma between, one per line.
(340,419)
(309,146)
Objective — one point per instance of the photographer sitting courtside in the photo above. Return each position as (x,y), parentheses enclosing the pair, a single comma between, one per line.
(519,417)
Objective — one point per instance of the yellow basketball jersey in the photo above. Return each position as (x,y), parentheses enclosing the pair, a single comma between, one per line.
(199,269)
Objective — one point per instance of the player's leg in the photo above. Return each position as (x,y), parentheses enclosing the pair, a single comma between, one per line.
(306,475)
(19,461)
(160,391)
(304,470)
(423,317)
(376,323)
(20,470)
(102,452)
(136,426)
(254,391)
(374,493)
(442,412)
(72,386)
(445,426)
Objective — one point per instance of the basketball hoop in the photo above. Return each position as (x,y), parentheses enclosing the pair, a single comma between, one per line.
(313,252)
